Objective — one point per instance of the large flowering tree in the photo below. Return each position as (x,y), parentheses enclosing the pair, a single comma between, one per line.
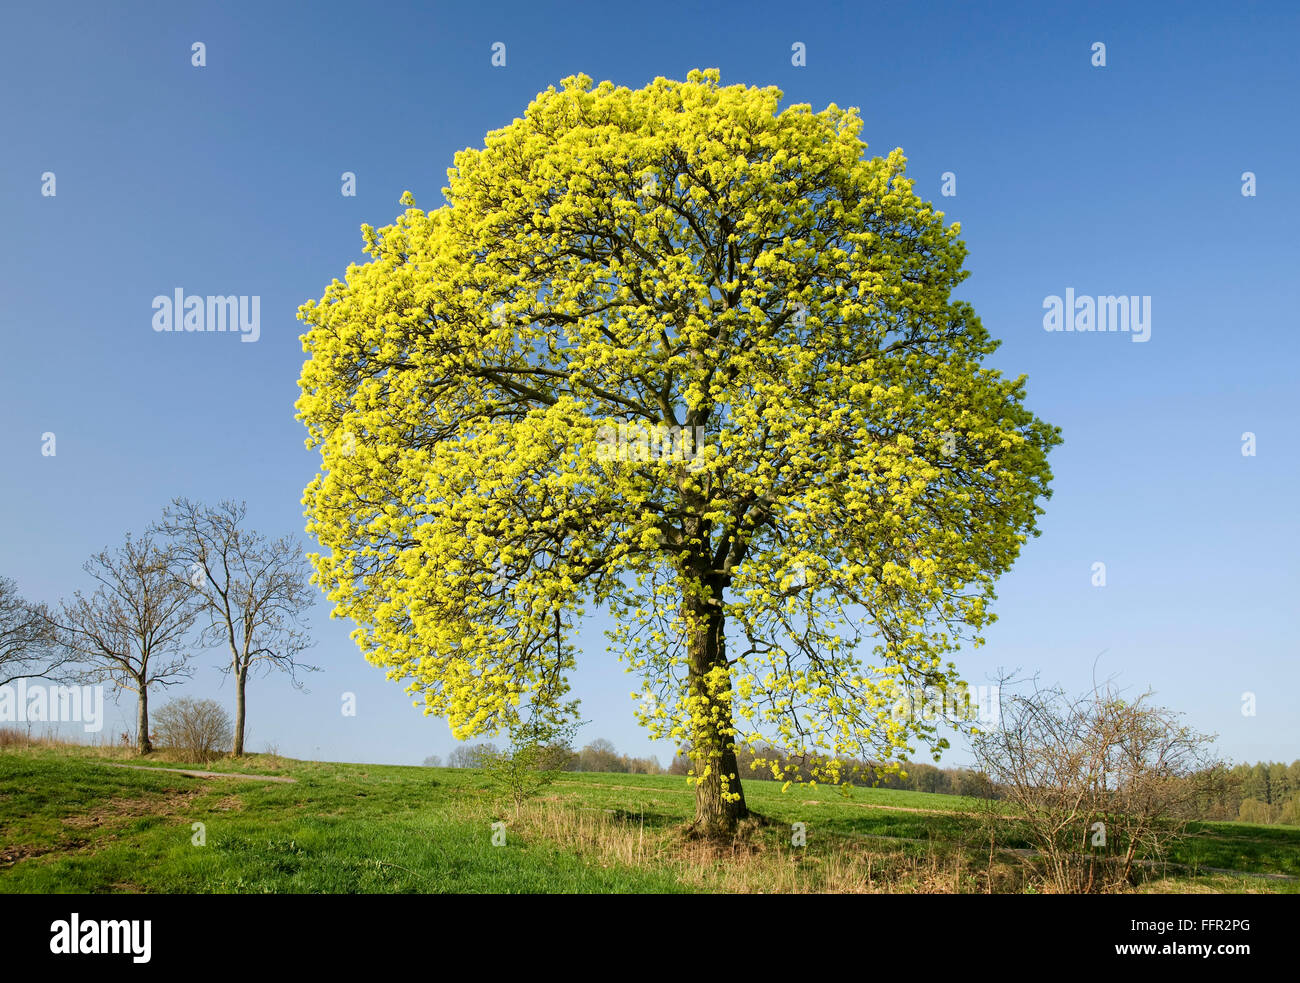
(684,354)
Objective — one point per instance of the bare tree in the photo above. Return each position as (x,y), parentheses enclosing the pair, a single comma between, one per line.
(1099,783)
(472,755)
(131,631)
(29,643)
(600,755)
(252,592)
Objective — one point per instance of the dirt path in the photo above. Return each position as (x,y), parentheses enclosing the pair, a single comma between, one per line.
(192,773)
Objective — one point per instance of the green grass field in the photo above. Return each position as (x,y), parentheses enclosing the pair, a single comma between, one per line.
(70,822)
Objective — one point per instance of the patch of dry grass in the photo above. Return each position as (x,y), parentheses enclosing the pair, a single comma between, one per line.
(758,860)
(12,737)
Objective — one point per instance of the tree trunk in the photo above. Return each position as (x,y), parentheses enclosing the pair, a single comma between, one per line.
(142,742)
(719,800)
(241,680)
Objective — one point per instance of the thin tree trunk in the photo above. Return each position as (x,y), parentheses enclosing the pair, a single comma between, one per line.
(719,800)
(241,680)
(142,742)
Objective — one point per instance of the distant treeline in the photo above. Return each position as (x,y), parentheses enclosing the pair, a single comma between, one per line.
(1268,792)
(919,776)
(600,755)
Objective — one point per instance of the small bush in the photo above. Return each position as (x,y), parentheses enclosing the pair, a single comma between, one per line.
(194,729)
(538,753)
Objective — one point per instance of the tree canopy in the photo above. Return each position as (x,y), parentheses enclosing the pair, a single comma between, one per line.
(500,393)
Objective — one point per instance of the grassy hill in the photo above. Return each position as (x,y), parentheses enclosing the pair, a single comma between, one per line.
(70,821)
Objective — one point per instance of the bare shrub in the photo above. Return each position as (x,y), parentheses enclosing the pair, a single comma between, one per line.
(195,729)
(1100,785)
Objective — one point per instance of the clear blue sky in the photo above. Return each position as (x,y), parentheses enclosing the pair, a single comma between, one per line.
(1117,180)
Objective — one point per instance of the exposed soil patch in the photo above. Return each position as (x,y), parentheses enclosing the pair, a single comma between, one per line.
(10,854)
(113,811)
(109,815)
